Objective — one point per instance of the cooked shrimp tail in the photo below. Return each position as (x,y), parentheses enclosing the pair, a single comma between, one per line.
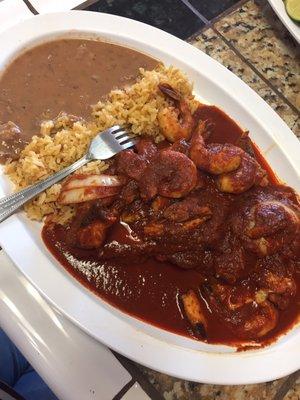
(175,122)
(167,90)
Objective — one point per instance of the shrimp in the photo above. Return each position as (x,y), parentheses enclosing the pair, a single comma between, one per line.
(236,171)
(134,164)
(92,236)
(249,314)
(175,122)
(165,228)
(275,276)
(243,178)
(185,210)
(213,158)
(171,174)
(266,224)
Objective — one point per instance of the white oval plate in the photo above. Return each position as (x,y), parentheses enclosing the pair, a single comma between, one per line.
(151,346)
(291,26)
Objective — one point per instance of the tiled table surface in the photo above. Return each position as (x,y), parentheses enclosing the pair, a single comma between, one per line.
(246,37)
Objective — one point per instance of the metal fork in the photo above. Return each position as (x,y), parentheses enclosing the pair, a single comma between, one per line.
(105,145)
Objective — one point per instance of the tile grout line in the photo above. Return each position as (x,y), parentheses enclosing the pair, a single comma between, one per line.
(228,11)
(124,390)
(208,23)
(286,386)
(195,11)
(138,376)
(258,73)
(30,7)
(199,32)
(84,5)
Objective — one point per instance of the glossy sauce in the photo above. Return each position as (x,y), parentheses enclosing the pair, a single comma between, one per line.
(66,75)
(225,130)
(150,290)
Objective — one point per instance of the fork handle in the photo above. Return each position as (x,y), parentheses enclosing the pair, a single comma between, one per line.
(11,203)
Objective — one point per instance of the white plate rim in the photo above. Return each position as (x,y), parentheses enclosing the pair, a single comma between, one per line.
(190,363)
(291,26)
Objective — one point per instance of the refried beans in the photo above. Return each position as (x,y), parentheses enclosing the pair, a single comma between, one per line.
(66,75)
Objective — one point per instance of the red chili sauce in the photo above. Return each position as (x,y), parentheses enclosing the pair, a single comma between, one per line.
(151,290)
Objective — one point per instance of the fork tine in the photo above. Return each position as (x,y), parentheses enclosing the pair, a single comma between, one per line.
(120,135)
(124,139)
(114,129)
(126,145)
(110,142)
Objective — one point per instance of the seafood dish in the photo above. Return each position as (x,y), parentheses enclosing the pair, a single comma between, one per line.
(190,230)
